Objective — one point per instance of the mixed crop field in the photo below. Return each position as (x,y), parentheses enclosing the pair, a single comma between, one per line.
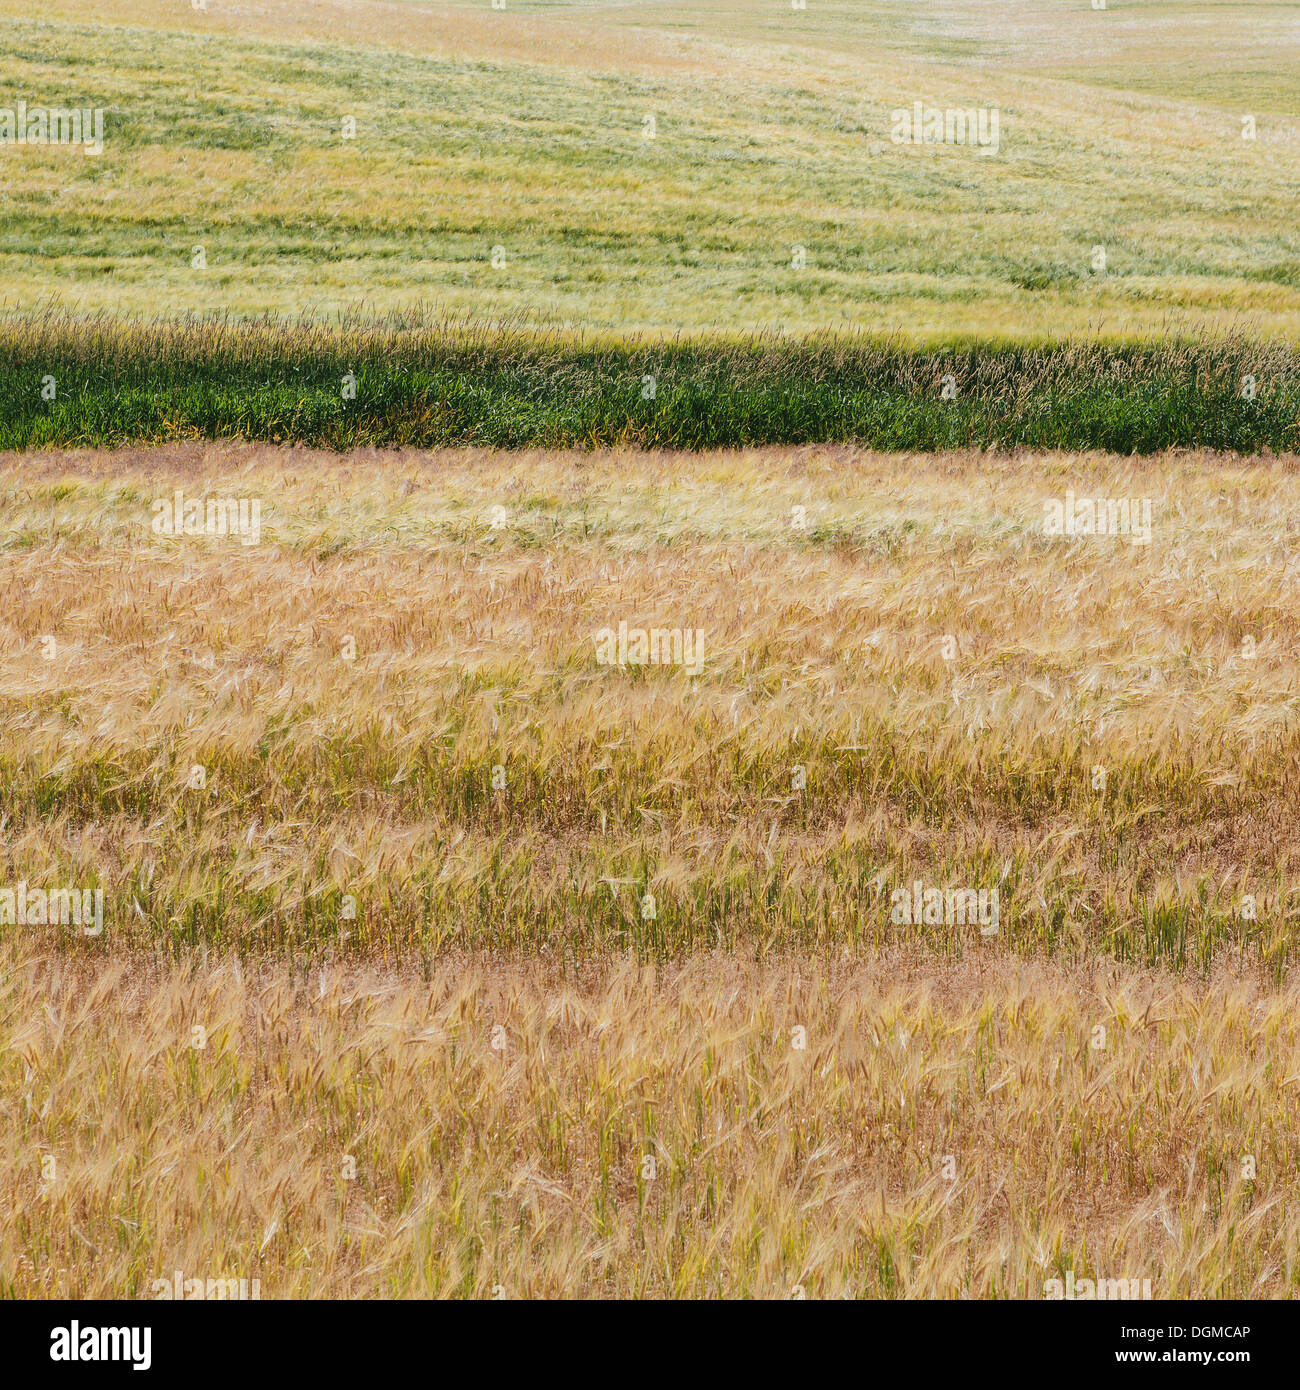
(616,683)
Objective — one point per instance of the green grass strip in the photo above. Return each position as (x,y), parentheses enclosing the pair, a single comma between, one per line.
(102,382)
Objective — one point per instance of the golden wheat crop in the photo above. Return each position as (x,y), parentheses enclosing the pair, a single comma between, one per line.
(424,931)
(353,1132)
(395,695)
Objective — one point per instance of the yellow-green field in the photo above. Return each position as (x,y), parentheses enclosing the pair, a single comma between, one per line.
(770,194)
(423,927)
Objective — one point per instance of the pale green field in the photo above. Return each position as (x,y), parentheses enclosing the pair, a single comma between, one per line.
(523,129)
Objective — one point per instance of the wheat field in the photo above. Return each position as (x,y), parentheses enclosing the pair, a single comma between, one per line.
(353,1132)
(648,650)
(724,164)
(449,949)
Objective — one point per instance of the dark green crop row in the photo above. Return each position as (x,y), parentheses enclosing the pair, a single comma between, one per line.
(69,382)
